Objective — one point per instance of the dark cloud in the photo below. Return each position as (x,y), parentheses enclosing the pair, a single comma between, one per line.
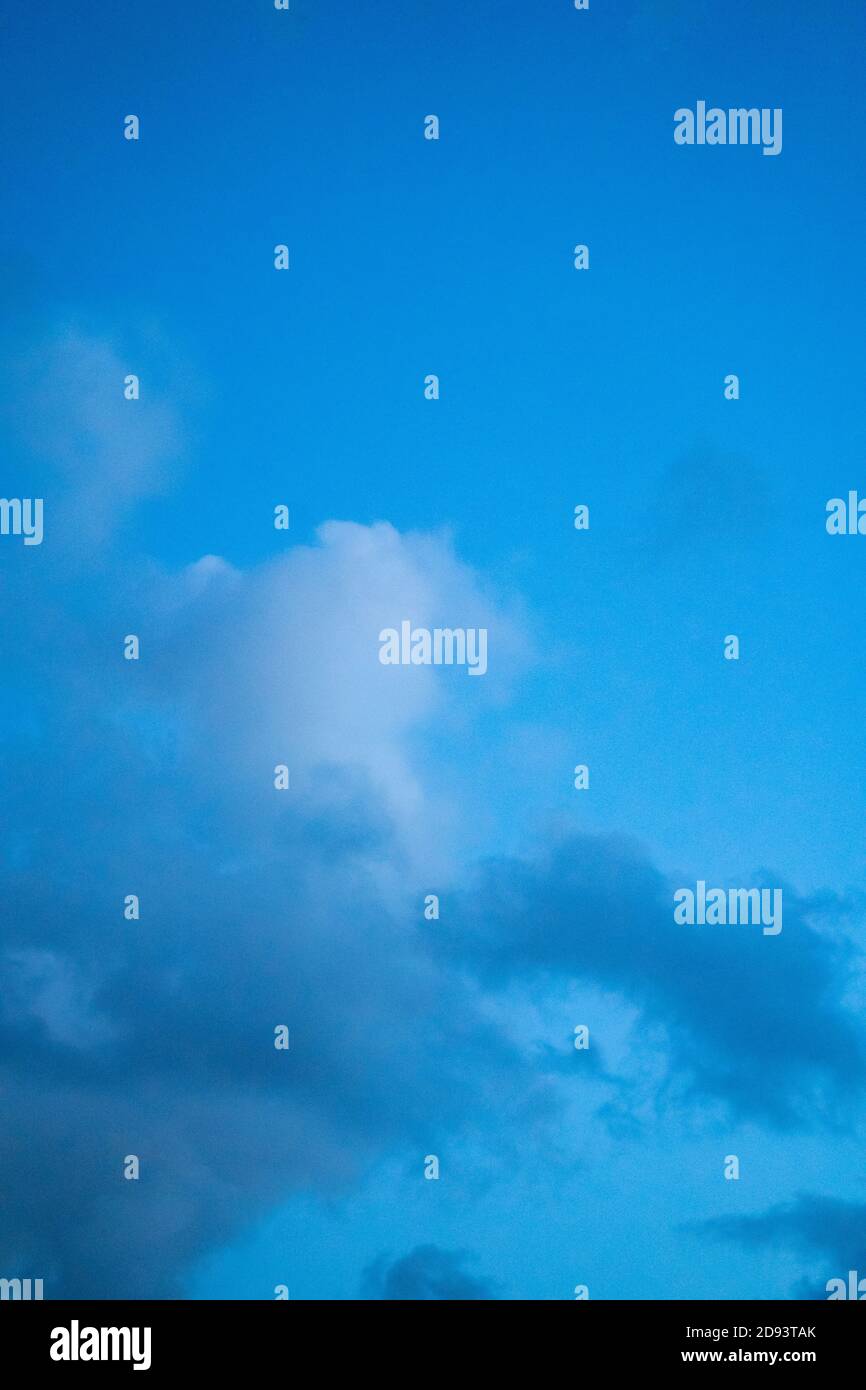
(753,1020)
(424,1275)
(155,1038)
(829,1229)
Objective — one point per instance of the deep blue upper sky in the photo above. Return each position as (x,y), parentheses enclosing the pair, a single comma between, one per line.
(411,257)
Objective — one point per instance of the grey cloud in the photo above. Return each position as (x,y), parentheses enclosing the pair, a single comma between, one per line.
(755,1021)
(829,1230)
(426,1274)
(155,1037)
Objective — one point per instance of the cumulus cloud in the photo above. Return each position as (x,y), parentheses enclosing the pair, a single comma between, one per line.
(258,908)
(155,1037)
(261,908)
(295,645)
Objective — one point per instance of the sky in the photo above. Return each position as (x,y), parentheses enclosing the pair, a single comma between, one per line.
(560,1168)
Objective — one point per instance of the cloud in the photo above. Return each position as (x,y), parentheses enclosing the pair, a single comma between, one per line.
(825,1227)
(425,1274)
(294,645)
(304,908)
(754,1021)
(155,1037)
(94,454)
(258,908)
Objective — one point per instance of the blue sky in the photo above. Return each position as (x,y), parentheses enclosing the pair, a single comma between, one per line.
(410,1037)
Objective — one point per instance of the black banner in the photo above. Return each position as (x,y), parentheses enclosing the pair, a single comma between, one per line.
(225,1338)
